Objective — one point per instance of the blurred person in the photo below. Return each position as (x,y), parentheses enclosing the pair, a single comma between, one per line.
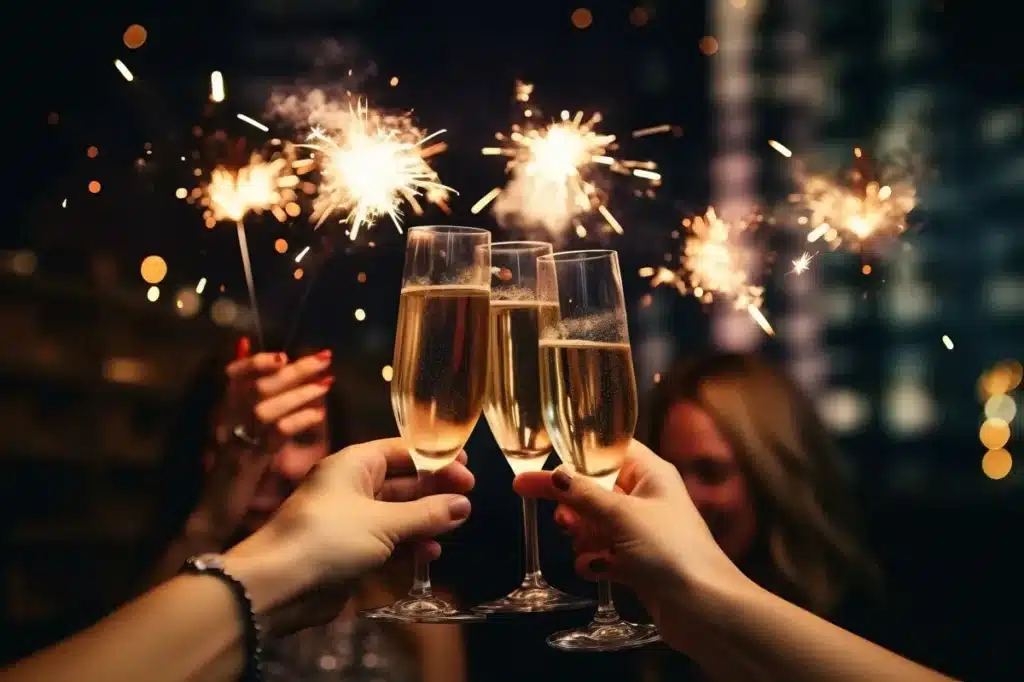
(649,536)
(247,433)
(208,623)
(765,475)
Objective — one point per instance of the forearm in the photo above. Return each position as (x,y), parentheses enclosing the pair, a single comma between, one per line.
(189,629)
(163,636)
(789,643)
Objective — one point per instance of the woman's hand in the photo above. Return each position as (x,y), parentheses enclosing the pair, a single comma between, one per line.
(271,400)
(647,535)
(347,518)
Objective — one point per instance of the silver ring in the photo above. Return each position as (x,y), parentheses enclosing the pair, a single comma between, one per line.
(240,433)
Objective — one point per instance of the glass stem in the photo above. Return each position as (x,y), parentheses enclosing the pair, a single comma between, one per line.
(606,612)
(533,577)
(421,580)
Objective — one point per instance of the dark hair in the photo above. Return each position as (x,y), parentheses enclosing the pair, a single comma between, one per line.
(808,549)
(181,474)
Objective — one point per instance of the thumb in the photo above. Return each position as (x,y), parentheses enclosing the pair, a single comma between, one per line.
(425,517)
(583,494)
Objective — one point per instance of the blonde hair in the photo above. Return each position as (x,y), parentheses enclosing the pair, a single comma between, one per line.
(807,537)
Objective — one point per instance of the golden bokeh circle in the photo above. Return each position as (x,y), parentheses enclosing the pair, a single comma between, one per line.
(996,464)
(994,433)
(153,270)
(134,36)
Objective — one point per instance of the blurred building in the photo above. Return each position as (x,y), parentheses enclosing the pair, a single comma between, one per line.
(907,342)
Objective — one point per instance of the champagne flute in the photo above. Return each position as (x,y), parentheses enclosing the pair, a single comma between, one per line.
(588,393)
(513,409)
(440,371)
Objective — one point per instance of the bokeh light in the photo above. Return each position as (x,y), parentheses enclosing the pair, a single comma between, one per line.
(153,270)
(134,36)
(708,45)
(298,273)
(387,373)
(153,294)
(281,246)
(187,302)
(1001,407)
(994,433)
(92,152)
(639,16)
(996,464)
(582,18)
(181,193)
(360,314)
(361,278)
(95,187)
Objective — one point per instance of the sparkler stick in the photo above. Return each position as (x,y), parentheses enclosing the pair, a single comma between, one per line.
(243,247)
(256,187)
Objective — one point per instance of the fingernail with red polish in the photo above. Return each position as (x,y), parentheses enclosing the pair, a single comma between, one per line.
(326,381)
(325,354)
(561,479)
(242,348)
(281,358)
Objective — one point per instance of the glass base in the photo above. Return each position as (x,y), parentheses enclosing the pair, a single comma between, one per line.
(614,636)
(422,610)
(535,597)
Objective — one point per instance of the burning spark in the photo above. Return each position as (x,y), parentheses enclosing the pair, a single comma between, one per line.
(370,164)
(301,254)
(201,287)
(715,264)
(253,122)
(64,204)
(780,148)
(865,203)
(217,87)
(801,264)
(947,342)
(653,130)
(557,170)
(257,187)
(124,70)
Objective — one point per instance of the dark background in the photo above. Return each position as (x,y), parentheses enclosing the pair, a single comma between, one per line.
(946,534)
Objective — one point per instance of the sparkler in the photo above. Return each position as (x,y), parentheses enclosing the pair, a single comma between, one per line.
(257,187)
(370,163)
(863,204)
(715,264)
(558,171)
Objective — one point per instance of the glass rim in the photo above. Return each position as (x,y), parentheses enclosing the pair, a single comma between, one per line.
(579,256)
(522,245)
(450,229)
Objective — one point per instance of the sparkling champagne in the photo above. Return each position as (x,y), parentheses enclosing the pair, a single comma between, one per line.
(588,391)
(513,407)
(440,365)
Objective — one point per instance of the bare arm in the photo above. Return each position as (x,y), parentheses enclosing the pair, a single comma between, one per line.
(789,643)
(162,636)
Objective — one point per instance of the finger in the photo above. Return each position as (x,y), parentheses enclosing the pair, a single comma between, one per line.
(427,551)
(256,365)
(296,374)
(301,421)
(566,518)
(425,517)
(455,478)
(595,566)
(640,462)
(275,409)
(582,494)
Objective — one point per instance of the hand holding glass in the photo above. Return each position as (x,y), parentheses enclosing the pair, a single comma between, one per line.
(588,393)
(440,367)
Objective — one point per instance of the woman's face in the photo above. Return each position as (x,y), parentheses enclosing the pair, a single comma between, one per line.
(292,460)
(691,441)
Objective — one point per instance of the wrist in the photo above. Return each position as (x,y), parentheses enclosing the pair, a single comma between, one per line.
(273,572)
